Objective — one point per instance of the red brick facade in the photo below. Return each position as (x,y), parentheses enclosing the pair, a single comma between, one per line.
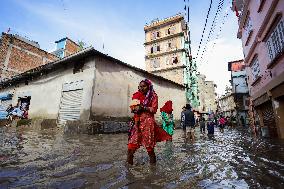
(71,47)
(17,56)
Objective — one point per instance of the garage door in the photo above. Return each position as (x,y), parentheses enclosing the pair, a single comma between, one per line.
(269,119)
(70,106)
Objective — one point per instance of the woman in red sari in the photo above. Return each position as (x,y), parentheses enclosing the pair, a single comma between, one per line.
(145,132)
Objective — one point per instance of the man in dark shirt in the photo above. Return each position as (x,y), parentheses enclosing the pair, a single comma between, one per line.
(187,120)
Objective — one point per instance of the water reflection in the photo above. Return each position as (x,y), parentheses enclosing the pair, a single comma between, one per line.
(51,159)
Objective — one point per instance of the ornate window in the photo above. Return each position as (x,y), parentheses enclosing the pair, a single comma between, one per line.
(275,41)
(255,70)
(247,29)
(155,63)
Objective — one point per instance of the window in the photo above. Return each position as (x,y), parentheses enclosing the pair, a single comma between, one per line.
(158,48)
(255,69)
(78,67)
(247,29)
(174,60)
(169,31)
(275,41)
(158,34)
(169,45)
(155,63)
(152,50)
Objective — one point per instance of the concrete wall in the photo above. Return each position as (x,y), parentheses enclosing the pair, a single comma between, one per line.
(175,27)
(210,96)
(239,84)
(165,61)
(201,94)
(46,91)
(227,103)
(175,75)
(115,84)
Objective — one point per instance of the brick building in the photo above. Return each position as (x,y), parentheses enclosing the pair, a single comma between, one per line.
(18,54)
(65,47)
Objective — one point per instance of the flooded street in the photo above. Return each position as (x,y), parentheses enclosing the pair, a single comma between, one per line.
(51,159)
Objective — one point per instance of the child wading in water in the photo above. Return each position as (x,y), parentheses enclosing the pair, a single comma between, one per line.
(167,117)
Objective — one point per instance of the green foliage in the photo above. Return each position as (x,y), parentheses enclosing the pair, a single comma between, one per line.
(82,45)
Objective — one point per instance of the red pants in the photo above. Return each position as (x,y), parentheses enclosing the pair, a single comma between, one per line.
(135,147)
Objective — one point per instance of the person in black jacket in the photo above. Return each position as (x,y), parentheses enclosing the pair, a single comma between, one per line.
(188,120)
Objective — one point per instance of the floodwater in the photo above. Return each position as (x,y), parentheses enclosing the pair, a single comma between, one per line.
(51,159)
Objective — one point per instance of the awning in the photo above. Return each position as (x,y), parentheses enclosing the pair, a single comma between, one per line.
(5,96)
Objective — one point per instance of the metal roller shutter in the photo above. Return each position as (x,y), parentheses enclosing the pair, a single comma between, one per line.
(70,106)
(269,119)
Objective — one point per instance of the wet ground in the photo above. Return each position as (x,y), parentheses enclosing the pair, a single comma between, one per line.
(51,159)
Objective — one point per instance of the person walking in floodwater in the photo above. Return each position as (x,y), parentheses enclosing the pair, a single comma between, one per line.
(167,117)
(202,124)
(144,130)
(210,128)
(188,120)
(222,122)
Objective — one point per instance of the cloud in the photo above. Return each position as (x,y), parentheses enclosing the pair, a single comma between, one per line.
(118,39)
(123,40)
(215,63)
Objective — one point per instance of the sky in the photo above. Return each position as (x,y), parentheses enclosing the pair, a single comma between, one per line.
(118,26)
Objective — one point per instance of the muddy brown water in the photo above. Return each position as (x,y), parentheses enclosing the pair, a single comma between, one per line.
(51,159)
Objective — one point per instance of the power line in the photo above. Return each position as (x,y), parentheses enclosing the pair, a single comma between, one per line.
(220,29)
(213,25)
(208,12)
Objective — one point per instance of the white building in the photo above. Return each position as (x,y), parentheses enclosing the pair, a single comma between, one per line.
(88,85)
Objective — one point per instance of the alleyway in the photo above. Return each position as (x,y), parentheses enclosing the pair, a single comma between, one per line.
(49,159)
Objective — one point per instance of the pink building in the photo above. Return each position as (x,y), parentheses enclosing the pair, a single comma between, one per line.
(261,29)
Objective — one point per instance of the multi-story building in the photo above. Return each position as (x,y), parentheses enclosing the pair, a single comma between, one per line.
(201,95)
(210,97)
(240,89)
(18,54)
(206,95)
(261,29)
(227,105)
(168,54)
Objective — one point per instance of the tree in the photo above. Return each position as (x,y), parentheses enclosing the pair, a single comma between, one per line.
(82,45)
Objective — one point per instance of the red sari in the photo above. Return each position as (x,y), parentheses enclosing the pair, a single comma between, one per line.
(147,133)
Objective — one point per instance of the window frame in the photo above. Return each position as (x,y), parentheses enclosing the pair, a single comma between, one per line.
(274,41)
(252,65)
